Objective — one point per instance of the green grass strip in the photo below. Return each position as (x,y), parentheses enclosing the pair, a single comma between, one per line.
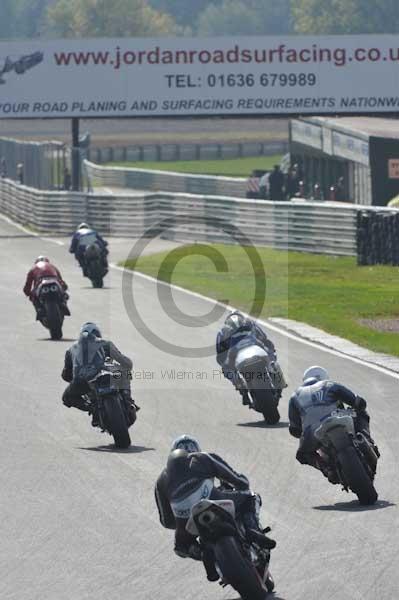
(331,293)
(235,167)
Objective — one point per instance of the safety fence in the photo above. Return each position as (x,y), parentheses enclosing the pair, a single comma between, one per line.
(181,151)
(327,228)
(145,179)
(36,164)
(378,237)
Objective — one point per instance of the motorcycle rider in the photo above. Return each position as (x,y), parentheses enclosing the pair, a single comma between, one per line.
(239,328)
(43,269)
(84,359)
(83,237)
(189,472)
(312,402)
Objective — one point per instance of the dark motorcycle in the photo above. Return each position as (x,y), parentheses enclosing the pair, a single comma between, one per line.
(254,365)
(51,306)
(111,404)
(352,455)
(241,563)
(96,266)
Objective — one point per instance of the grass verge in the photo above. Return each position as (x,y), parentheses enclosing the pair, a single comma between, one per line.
(331,293)
(235,167)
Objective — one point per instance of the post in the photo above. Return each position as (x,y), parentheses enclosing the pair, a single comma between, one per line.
(75,155)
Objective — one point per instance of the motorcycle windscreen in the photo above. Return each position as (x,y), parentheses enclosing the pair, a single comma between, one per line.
(182,507)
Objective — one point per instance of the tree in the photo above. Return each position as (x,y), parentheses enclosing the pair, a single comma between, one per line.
(345,16)
(7,19)
(250,17)
(96,18)
(185,12)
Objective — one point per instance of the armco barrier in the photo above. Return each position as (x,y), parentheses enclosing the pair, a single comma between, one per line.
(145,179)
(186,151)
(328,228)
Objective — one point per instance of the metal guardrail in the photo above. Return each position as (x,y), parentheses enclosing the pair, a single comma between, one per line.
(146,179)
(328,228)
(175,152)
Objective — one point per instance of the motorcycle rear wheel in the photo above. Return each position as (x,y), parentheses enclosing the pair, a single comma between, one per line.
(54,320)
(116,422)
(357,477)
(237,570)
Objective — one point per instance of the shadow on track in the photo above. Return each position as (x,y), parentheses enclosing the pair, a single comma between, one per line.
(270,596)
(105,287)
(111,448)
(264,425)
(354,506)
(68,340)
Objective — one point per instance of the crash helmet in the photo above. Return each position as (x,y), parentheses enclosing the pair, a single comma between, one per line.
(83,226)
(187,443)
(41,258)
(236,321)
(315,372)
(90,329)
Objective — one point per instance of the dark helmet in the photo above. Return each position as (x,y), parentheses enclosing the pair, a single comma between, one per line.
(236,321)
(90,329)
(41,259)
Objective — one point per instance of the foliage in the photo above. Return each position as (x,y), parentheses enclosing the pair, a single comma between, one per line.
(96,18)
(245,17)
(345,16)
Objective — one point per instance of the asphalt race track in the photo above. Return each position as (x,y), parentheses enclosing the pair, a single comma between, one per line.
(78,519)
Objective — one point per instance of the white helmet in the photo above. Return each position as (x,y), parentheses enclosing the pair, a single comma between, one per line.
(90,329)
(83,226)
(187,443)
(315,372)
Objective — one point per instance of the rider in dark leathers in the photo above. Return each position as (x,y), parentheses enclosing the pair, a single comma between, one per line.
(83,237)
(239,329)
(84,360)
(313,401)
(188,472)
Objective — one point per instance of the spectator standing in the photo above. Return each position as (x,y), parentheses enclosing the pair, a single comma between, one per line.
(264,186)
(340,192)
(276,184)
(20,173)
(67,179)
(3,168)
(291,183)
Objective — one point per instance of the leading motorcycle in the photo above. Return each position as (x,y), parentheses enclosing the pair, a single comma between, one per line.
(110,402)
(52,306)
(255,369)
(241,563)
(353,456)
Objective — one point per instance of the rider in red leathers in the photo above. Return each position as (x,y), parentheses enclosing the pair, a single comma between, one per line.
(43,269)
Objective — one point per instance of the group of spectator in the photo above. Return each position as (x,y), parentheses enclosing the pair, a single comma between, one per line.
(278,186)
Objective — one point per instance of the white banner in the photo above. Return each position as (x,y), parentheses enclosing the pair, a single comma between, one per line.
(211,76)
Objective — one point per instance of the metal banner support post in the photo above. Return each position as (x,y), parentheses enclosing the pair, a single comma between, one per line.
(75,155)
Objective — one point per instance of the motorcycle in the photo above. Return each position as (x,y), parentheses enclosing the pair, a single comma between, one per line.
(114,409)
(352,455)
(254,366)
(96,266)
(52,308)
(241,563)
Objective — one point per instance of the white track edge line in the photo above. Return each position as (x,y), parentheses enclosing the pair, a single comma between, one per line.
(268,324)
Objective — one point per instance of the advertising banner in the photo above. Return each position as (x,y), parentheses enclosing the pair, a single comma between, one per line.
(131,77)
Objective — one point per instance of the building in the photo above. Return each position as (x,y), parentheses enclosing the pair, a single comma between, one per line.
(363,151)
